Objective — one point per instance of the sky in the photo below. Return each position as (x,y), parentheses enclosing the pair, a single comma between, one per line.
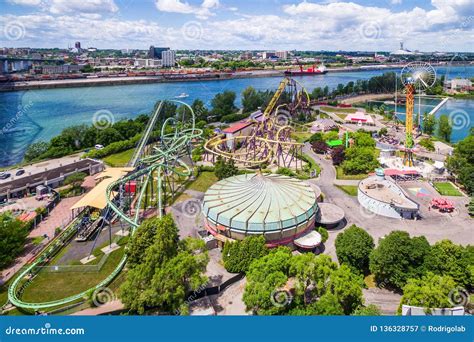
(365,25)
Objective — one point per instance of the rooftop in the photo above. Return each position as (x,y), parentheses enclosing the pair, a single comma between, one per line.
(260,202)
(386,191)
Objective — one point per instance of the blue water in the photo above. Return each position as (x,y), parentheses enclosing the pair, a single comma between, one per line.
(34,115)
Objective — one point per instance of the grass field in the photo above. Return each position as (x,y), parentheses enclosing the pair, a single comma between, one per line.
(203,181)
(340,175)
(301,137)
(48,286)
(339,110)
(351,190)
(446,189)
(119,159)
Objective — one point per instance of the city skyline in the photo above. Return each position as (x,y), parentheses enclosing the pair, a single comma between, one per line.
(212,24)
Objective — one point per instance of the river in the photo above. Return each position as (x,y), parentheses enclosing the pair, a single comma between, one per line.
(35,115)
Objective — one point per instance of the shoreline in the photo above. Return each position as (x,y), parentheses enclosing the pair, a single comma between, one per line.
(112,81)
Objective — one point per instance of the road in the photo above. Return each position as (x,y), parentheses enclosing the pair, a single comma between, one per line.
(435,226)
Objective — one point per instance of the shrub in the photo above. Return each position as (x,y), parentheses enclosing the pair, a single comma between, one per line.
(324,234)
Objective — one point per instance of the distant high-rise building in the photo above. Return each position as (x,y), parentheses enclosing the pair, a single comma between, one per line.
(282,54)
(168,58)
(155,52)
(246,55)
(268,55)
(77,45)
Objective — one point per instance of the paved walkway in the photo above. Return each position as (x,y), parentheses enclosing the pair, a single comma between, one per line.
(386,300)
(456,227)
(101,310)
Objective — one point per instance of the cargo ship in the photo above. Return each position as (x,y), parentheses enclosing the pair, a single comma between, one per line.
(321,70)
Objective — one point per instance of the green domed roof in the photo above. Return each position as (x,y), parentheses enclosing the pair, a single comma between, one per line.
(260,202)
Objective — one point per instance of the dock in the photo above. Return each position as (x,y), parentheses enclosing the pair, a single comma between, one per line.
(441,104)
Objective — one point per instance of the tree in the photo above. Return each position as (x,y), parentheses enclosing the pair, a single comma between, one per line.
(353,247)
(200,110)
(337,155)
(398,258)
(462,161)
(369,310)
(429,123)
(225,168)
(319,147)
(251,99)
(165,271)
(311,273)
(347,287)
(13,235)
(238,255)
(143,238)
(108,136)
(35,150)
(265,276)
(223,103)
(470,207)
(430,292)
(444,128)
(315,137)
(323,232)
(359,160)
(328,305)
(447,258)
(75,180)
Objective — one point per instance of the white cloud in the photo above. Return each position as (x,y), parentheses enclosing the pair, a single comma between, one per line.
(25,2)
(303,26)
(396,2)
(81,6)
(202,11)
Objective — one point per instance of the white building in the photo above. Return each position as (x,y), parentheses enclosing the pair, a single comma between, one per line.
(459,85)
(168,58)
(147,63)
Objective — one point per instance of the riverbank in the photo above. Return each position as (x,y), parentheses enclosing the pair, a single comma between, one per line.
(170,78)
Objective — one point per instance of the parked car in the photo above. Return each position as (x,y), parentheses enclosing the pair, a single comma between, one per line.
(19,172)
(4,175)
(99,147)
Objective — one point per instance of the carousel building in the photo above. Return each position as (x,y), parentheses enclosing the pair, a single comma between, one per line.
(278,207)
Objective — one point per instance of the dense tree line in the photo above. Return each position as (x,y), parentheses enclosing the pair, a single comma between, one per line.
(461,163)
(281,283)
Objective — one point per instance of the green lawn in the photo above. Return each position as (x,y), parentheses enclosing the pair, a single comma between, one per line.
(339,110)
(48,286)
(446,189)
(203,181)
(119,159)
(301,137)
(348,189)
(340,175)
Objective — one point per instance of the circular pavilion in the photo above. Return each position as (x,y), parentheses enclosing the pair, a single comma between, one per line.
(278,207)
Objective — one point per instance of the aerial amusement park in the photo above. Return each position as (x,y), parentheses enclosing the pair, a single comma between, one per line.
(266,196)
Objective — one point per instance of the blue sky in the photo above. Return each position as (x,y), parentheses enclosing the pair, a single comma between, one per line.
(434,25)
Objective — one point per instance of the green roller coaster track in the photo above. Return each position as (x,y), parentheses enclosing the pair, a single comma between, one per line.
(163,161)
